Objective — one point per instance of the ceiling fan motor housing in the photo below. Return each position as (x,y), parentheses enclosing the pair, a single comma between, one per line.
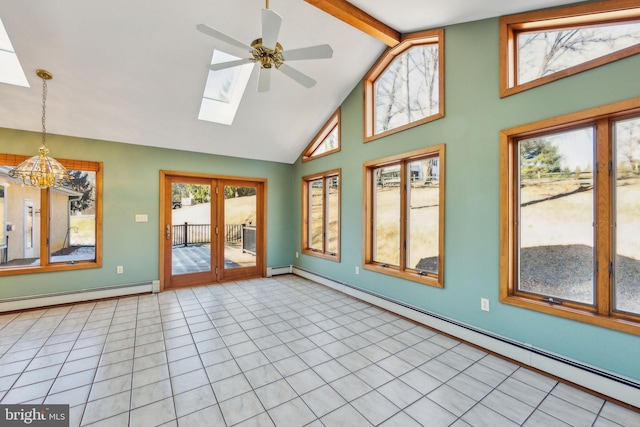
(267,57)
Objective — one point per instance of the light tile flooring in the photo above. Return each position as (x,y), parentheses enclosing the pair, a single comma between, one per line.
(280,351)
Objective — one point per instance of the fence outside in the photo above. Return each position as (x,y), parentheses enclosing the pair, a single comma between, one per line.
(190,234)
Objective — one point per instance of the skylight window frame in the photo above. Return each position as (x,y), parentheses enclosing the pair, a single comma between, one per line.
(10,62)
(219,111)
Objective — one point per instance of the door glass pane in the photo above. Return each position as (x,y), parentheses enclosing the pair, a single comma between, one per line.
(556,200)
(423,201)
(386,215)
(191,228)
(240,226)
(72,228)
(20,222)
(627,216)
(333,214)
(316,214)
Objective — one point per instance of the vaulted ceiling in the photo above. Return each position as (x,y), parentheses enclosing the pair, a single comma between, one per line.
(134,71)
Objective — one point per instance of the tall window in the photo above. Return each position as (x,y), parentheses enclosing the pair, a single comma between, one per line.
(327,141)
(540,47)
(571,216)
(404,227)
(405,88)
(52,229)
(321,215)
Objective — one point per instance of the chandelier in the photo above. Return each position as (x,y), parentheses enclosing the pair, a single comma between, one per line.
(41,170)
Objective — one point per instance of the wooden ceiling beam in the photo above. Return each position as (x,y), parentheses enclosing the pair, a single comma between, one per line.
(359,19)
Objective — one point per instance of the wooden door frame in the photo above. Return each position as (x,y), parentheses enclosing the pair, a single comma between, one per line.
(261,215)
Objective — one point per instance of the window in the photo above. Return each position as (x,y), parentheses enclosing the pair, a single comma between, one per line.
(321,215)
(327,141)
(405,88)
(10,69)
(570,215)
(52,229)
(223,90)
(404,211)
(540,47)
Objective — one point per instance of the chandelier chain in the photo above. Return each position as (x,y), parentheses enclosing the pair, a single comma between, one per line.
(44,110)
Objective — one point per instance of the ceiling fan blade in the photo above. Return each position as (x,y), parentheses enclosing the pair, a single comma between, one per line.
(322,51)
(229,64)
(271,22)
(264,80)
(298,76)
(222,37)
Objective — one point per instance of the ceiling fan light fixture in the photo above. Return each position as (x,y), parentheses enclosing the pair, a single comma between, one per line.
(41,170)
(267,57)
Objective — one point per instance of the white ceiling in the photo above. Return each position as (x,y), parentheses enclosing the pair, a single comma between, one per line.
(134,71)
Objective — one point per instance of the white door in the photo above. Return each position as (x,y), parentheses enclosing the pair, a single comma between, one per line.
(28,228)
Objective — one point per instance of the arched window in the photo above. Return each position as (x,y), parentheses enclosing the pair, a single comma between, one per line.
(405,88)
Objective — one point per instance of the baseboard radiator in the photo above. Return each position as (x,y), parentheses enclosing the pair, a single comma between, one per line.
(80,295)
(624,389)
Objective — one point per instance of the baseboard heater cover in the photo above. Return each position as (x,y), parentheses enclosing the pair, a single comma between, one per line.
(284,269)
(80,295)
(617,387)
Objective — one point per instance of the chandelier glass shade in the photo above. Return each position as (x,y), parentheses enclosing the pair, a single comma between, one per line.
(41,170)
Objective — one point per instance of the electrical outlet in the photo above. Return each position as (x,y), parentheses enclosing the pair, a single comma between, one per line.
(484,304)
(119,269)
(357,270)
(296,254)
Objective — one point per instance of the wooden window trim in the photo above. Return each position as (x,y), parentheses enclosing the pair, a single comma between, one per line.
(332,123)
(407,42)
(601,314)
(45,265)
(368,226)
(605,12)
(324,254)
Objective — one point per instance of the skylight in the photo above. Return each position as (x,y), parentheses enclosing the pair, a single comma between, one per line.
(224,90)
(10,68)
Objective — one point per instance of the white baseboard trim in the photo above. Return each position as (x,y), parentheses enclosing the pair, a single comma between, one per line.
(45,300)
(274,271)
(620,388)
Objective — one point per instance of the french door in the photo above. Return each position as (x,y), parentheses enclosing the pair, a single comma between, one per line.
(212,229)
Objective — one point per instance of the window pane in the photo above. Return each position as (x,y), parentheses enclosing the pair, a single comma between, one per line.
(329,143)
(73,220)
(316,215)
(627,212)
(543,53)
(191,228)
(333,214)
(240,211)
(556,216)
(408,90)
(21,216)
(386,215)
(423,223)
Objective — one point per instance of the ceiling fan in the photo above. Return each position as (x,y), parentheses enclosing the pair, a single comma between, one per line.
(270,54)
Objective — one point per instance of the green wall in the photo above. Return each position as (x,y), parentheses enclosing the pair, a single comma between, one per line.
(131,186)
(473,118)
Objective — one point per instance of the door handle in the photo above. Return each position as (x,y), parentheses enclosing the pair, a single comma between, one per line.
(167,232)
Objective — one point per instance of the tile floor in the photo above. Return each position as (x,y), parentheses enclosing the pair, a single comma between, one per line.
(278,351)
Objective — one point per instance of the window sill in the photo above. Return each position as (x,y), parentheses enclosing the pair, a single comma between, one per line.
(616,322)
(320,254)
(411,275)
